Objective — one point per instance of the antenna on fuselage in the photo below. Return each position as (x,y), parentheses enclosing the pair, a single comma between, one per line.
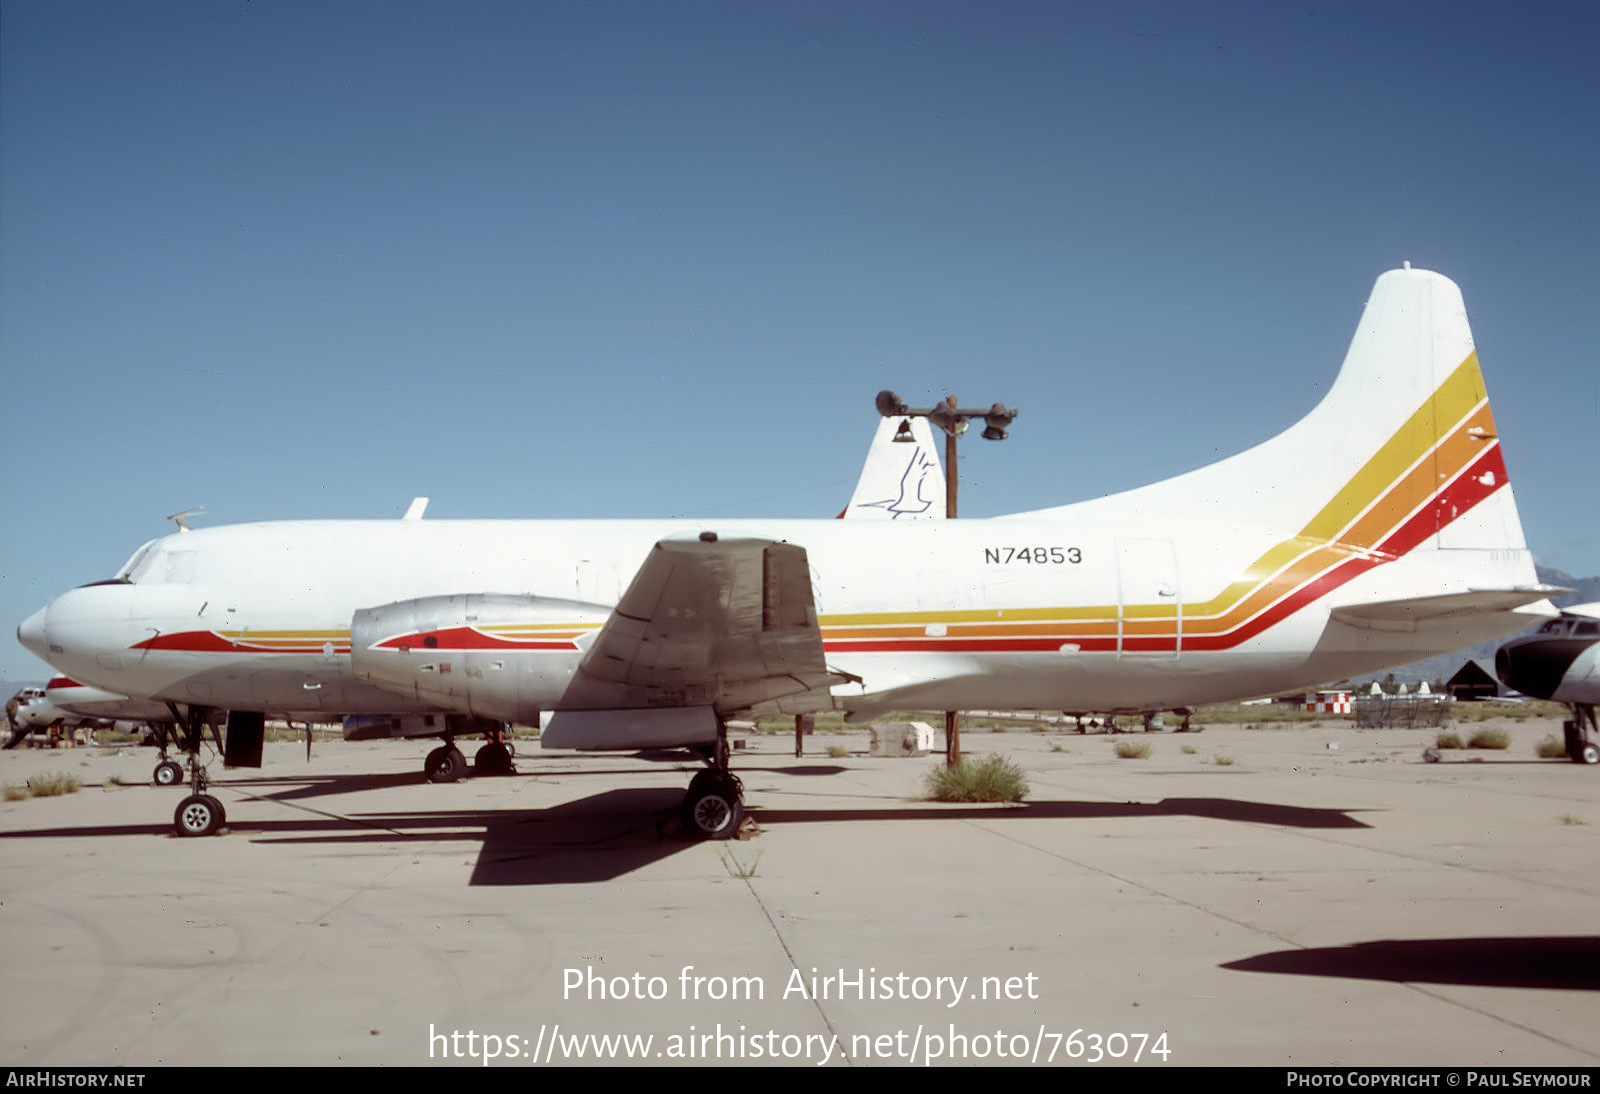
(180,519)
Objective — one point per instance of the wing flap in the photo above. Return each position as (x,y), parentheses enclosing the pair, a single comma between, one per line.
(722,623)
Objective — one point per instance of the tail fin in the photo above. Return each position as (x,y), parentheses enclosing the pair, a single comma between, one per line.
(1402,451)
(1399,461)
(899,481)
(1409,446)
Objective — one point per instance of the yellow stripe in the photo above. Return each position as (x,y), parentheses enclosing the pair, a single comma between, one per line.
(1387,489)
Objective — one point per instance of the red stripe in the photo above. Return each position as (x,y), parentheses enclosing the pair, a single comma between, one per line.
(212,642)
(189,641)
(458,639)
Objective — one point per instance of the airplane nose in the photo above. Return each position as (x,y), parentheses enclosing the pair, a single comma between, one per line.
(30,632)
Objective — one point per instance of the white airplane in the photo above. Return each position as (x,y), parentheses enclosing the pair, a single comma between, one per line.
(1561,661)
(900,480)
(1378,530)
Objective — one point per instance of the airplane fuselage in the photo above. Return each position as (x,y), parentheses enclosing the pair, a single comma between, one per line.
(1019,613)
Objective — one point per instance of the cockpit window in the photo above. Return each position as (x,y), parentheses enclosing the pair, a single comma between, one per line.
(137,566)
(1587,630)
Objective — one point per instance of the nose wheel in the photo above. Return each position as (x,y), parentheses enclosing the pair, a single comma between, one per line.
(199,815)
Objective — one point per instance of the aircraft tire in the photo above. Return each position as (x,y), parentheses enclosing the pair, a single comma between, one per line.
(167,773)
(198,815)
(1590,753)
(444,765)
(492,759)
(714,809)
(711,777)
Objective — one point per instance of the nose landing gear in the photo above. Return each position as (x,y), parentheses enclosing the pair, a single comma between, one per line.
(200,814)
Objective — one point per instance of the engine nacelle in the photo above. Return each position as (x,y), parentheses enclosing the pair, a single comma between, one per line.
(489,655)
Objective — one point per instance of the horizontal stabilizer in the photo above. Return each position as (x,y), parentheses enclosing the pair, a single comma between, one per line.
(1388,614)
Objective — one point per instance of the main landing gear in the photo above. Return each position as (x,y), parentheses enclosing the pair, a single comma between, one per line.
(446,763)
(494,758)
(1580,748)
(713,807)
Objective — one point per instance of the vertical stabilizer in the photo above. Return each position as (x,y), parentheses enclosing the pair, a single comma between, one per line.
(1401,453)
(902,479)
(1388,502)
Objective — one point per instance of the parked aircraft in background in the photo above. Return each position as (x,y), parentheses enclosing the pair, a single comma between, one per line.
(15,722)
(901,479)
(83,701)
(36,709)
(1561,661)
(111,708)
(1378,530)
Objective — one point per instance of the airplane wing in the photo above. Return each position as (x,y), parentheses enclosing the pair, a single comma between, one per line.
(725,624)
(1409,611)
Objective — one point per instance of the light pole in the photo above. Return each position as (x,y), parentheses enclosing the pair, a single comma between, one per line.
(953,420)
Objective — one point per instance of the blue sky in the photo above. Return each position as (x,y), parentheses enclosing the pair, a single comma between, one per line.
(629,259)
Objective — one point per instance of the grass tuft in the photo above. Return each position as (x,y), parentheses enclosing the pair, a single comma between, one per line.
(983,779)
(1188,750)
(1133,750)
(1448,739)
(736,869)
(1490,738)
(838,752)
(50,786)
(15,793)
(1549,748)
(1222,761)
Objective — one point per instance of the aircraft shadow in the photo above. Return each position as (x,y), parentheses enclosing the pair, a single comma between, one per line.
(592,839)
(1228,809)
(613,833)
(297,787)
(1550,962)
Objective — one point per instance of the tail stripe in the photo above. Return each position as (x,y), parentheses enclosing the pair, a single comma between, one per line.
(1440,463)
